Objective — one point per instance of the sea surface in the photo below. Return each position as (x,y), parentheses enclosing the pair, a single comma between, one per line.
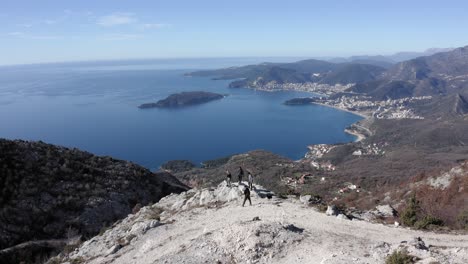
(94,107)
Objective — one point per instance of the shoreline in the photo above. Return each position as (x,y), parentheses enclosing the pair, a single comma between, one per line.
(359,137)
(361,114)
(285,90)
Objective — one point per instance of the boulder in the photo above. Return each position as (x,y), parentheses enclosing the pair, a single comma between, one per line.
(142,227)
(114,249)
(418,243)
(332,210)
(342,216)
(385,211)
(305,199)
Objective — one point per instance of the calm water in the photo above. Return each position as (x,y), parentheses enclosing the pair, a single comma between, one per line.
(94,107)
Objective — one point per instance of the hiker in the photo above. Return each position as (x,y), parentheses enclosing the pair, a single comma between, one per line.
(246,196)
(228,178)
(250,180)
(240,175)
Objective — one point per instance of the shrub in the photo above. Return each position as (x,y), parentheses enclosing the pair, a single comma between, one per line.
(409,215)
(77,260)
(70,248)
(136,208)
(103,229)
(462,220)
(155,213)
(293,192)
(400,257)
(427,221)
(413,216)
(322,208)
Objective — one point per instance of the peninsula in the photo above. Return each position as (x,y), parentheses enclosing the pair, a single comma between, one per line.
(184,99)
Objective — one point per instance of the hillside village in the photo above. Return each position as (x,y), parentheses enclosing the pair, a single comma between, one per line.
(387,109)
(312,87)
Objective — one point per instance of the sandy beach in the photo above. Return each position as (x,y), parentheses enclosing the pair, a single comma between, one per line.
(359,136)
(362,114)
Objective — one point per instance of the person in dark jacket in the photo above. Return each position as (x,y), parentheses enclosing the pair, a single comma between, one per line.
(228,178)
(246,196)
(240,175)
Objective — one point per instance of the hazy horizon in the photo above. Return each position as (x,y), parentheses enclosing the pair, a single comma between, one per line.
(56,31)
(260,58)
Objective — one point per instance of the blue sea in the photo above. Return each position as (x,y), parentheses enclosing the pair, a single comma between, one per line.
(93,106)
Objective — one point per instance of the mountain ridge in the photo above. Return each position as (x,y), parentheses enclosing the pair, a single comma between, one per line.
(51,192)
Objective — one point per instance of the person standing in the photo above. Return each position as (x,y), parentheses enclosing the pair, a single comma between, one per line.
(240,175)
(228,178)
(246,196)
(250,181)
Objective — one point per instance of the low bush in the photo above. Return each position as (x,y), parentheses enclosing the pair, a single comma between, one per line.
(155,213)
(400,257)
(462,220)
(409,215)
(427,222)
(103,229)
(77,260)
(413,216)
(322,208)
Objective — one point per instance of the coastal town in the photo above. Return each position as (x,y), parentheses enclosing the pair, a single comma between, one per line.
(386,109)
(357,103)
(318,88)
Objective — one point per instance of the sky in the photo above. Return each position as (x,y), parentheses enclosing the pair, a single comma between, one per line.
(36,31)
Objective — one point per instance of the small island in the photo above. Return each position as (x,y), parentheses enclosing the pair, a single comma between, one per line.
(184,99)
(300,101)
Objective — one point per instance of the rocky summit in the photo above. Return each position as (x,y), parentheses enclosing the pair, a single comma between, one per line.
(211,226)
(51,195)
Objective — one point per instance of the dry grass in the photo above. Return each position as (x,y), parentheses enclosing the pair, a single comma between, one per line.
(400,257)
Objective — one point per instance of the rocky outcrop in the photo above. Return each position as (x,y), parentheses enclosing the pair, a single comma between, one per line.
(332,210)
(211,226)
(50,192)
(103,248)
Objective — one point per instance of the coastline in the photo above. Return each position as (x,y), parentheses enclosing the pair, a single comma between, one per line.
(361,114)
(285,90)
(359,136)
(365,116)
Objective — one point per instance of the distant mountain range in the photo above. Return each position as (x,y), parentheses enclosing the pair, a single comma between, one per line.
(387,61)
(403,56)
(297,72)
(379,60)
(442,73)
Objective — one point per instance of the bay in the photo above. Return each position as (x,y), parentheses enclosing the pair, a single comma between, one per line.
(94,107)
